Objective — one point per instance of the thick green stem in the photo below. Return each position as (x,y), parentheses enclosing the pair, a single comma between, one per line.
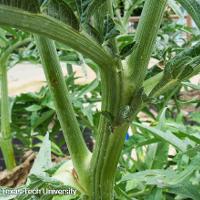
(111,158)
(112,88)
(104,130)
(56,30)
(149,24)
(5,135)
(104,160)
(111,133)
(78,150)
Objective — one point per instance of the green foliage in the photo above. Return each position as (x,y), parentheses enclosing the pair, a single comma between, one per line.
(87,8)
(32,6)
(170,138)
(192,7)
(161,159)
(41,164)
(40,181)
(173,175)
(62,11)
(35,112)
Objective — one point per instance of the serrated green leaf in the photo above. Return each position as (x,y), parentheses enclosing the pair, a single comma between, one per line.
(166,136)
(192,7)
(87,8)
(43,159)
(164,178)
(60,10)
(110,30)
(82,6)
(178,69)
(93,6)
(152,177)
(39,182)
(31,6)
(186,190)
(184,132)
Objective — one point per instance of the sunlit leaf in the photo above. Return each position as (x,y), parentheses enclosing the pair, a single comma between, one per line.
(166,136)
(43,159)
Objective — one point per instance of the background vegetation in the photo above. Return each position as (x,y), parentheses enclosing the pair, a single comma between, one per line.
(160,157)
